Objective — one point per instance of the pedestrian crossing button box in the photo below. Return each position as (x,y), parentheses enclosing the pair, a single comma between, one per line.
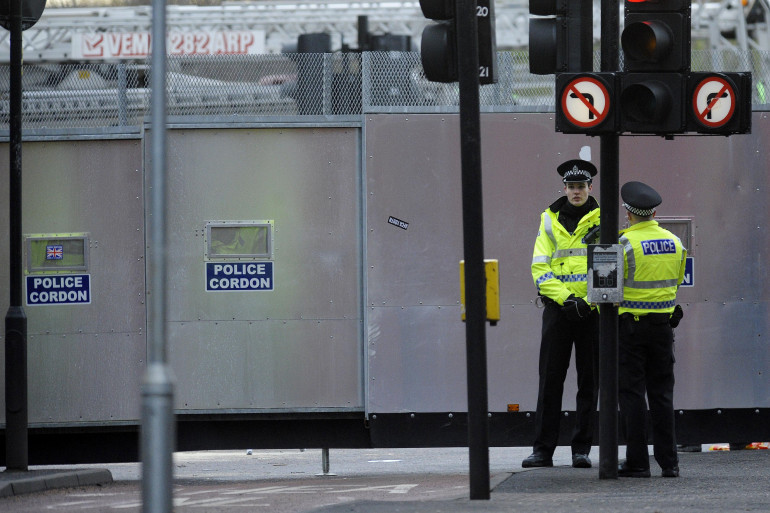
(605,273)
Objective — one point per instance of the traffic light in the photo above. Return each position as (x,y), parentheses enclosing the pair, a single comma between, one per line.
(652,103)
(656,59)
(719,103)
(438,46)
(656,35)
(564,40)
(31,10)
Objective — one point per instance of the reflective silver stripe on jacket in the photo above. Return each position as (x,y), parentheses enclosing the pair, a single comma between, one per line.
(563,253)
(548,227)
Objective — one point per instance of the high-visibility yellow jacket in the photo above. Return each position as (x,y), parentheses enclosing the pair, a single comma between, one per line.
(559,260)
(654,261)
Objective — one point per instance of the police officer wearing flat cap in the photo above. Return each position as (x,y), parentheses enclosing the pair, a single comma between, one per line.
(559,266)
(654,263)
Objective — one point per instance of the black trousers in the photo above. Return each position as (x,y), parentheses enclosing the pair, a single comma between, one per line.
(559,335)
(646,364)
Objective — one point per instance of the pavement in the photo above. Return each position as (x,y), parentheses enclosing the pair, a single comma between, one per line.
(40,480)
(734,481)
(710,481)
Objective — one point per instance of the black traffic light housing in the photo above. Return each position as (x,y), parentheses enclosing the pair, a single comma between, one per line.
(652,103)
(719,103)
(656,44)
(31,11)
(438,46)
(564,40)
(656,35)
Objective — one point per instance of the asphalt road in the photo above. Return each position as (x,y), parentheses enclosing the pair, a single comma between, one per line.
(416,481)
(279,481)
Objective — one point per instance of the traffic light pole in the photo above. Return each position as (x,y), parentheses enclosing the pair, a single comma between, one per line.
(473,247)
(608,189)
(158,428)
(16,412)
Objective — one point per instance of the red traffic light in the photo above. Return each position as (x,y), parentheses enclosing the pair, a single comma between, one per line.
(656,36)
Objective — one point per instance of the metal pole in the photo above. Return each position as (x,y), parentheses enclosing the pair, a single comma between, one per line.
(16,414)
(608,338)
(325,460)
(473,244)
(122,94)
(157,389)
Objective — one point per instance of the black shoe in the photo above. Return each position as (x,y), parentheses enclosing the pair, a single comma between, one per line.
(537,460)
(581,461)
(624,471)
(670,472)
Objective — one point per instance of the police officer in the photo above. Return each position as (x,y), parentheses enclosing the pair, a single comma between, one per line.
(654,264)
(559,265)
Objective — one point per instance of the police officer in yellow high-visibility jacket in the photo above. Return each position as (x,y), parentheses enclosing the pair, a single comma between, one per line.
(559,263)
(654,269)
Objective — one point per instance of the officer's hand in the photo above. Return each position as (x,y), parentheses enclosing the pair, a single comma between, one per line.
(576,308)
(676,316)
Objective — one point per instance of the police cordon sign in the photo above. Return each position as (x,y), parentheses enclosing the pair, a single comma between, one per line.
(58,289)
(239,276)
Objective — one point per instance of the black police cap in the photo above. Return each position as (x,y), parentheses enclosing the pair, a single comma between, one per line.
(576,170)
(639,198)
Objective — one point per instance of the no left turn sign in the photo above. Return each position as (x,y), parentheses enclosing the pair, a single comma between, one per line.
(585,102)
(713,101)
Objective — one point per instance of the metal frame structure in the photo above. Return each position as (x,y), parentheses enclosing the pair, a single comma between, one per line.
(723,24)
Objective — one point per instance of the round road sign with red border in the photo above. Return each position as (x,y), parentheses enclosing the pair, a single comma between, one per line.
(713,101)
(585,102)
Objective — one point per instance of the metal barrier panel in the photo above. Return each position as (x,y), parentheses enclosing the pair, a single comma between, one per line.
(416,340)
(360,306)
(85,359)
(290,340)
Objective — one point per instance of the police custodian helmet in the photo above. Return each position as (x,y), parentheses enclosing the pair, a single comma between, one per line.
(576,170)
(639,198)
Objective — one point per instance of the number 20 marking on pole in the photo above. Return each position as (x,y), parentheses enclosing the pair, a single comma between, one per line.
(584,102)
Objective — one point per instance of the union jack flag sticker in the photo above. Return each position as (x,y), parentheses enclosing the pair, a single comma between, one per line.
(54,252)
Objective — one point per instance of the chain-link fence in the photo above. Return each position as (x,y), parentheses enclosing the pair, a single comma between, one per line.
(289,85)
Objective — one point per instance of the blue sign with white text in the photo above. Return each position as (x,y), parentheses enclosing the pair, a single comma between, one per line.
(59,289)
(689,273)
(239,276)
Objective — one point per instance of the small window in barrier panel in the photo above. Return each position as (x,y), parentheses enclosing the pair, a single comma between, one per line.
(57,252)
(239,239)
(682,228)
